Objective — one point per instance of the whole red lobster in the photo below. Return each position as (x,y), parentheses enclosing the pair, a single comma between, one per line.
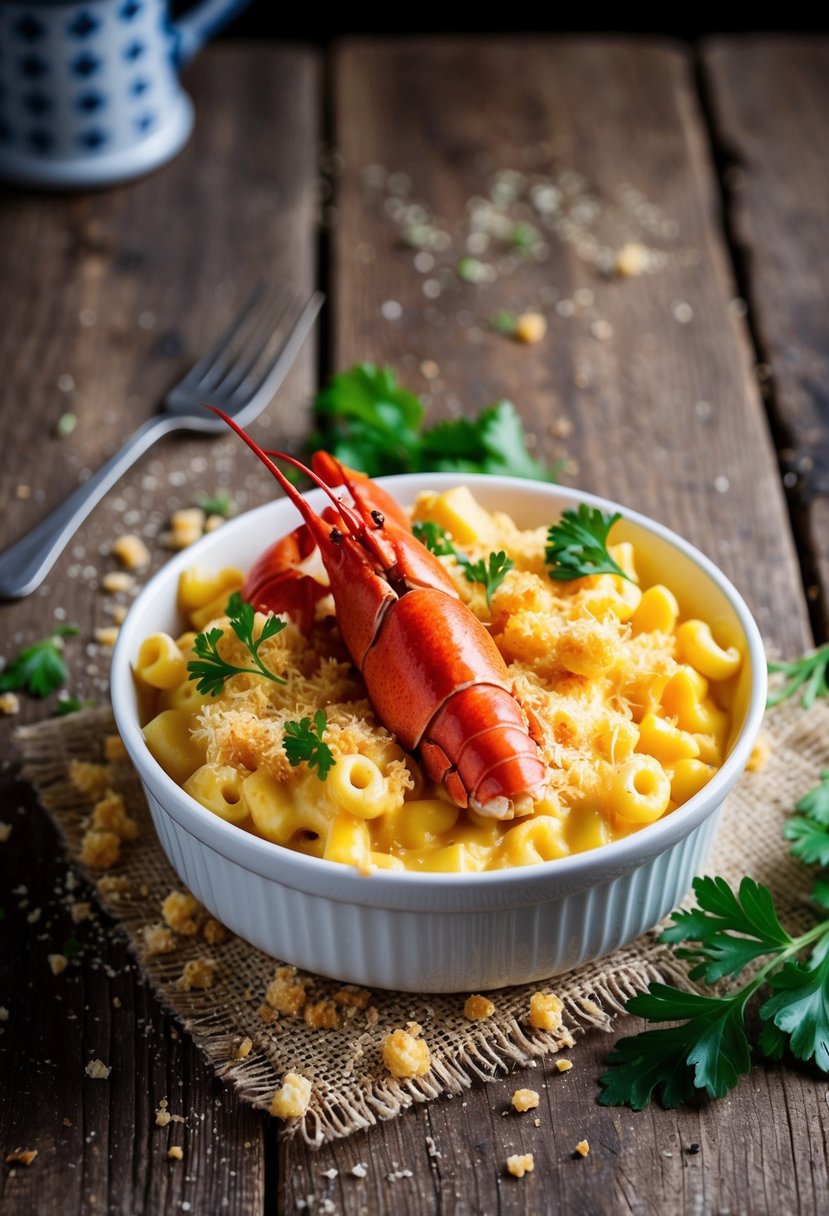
(433,674)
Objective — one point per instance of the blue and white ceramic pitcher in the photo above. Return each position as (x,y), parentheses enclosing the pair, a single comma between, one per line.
(89,92)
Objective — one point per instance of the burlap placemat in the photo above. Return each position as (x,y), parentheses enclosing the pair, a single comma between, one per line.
(351,1087)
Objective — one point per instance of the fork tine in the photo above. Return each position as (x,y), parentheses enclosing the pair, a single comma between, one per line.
(201,370)
(263,332)
(247,404)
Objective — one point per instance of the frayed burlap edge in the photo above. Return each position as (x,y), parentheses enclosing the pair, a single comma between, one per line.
(351,1087)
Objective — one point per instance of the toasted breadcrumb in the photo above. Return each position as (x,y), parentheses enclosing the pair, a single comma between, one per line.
(545,1011)
(285,993)
(630,260)
(525,1099)
(292,1098)
(268,1014)
(117,580)
(530,328)
(80,912)
(405,1054)
(162,1115)
(175,1152)
(213,522)
(58,963)
(321,1015)
(25,1156)
(110,815)
(244,1049)
(564,1065)
(106,635)
(356,998)
(100,850)
(213,931)
(98,1070)
(131,552)
(188,520)
(582,1148)
(182,912)
(9,703)
(760,754)
(114,885)
(5,832)
(119,614)
(93,780)
(520,1164)
(157,940)
(198,973)
(477,1007)
(114,749)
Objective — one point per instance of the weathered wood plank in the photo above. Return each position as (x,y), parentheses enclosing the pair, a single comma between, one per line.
(647,384)
(770,99)
(120,291)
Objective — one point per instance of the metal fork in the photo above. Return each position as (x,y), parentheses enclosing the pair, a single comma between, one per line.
(240,374)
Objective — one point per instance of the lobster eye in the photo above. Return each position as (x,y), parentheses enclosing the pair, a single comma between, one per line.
(335,536)
(379,518)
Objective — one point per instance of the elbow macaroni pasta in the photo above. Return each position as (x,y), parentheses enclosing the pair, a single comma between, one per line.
(633,697)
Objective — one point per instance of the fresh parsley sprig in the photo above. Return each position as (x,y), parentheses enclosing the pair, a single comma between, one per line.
(490,571)
(725,933)
(577,544)
(369,421)
(211,670)
(808,673)
(303,741)
(39,668)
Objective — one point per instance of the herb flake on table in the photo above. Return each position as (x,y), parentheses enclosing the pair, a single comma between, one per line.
(211,670)
(220,503)
(368,421)
(303,741)
(39,668)
(577,544)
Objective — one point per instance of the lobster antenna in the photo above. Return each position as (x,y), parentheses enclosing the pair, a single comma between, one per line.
(347,513)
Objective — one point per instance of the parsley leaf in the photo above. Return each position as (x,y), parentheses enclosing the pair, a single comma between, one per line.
(577,544)
(807,673)
(210,669)
(809,830)
(220,503)
(71,705)
(800,1006)
(491,572)
(303,741)
(434,537)
(39,668)
(369,421)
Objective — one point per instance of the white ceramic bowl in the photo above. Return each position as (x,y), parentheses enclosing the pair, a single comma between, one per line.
(442,932)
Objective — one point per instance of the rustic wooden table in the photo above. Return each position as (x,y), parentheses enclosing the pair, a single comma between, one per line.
(698,393)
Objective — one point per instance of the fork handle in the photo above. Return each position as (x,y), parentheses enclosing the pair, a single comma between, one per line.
(24,566)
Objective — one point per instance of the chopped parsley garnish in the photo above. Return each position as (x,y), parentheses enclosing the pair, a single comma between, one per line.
(807,673)
(211,670)
(490,571)
(39,668)
(577,544)
(303,741)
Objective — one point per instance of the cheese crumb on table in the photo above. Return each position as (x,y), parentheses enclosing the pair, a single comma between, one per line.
(93,780)
(114,749)
(58,963)
(80,912)
(131,552)
(9,703)
(321,1015)
(213,931)
(98,1070)
(117,580)
(292,1099)
(244,1049)
(564,1065)
(582,1148)
(109,814)
(520,1164)
(285,993)
(631,260)
(25,1156)
(175,1152)
(157,940)
(106,635)
(525,1099)
(198,973)
(545,1011)
(530,328)
(405,1054)
(182,912)
(760,754)
(477,1007)
(100,850)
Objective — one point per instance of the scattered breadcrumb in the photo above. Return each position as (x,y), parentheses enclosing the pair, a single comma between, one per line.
(100,850)
(163,1116)
(5,832)
(198,973)
(476,1008)
(213,522)
(353,997)
(244,1049)
(131,552)
(405,1054)
(116,1002)
(106,635)
(25,1156)
(58,963)
(117,580)
(119,614)
(536,1123)
(630,260)
(545,1011)
(520,1164)
(525,1099)
(175,1152)
(110,815)
(213,931)
(93,780)
(285,993)
(359,1170)
(268,1014)
(114,885)
(98,1070)
(564,1065)
(321,1015)
(9,703)
(80,912)
(114,749)
(582,1148)
(157,940)
(292,1098)
(530,327)
(760,754)
(182,912)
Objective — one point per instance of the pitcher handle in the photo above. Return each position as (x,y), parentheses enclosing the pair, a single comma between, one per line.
(196,27)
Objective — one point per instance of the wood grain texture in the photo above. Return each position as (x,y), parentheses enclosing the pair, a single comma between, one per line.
(121,290)
(447,115)
(777,146)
